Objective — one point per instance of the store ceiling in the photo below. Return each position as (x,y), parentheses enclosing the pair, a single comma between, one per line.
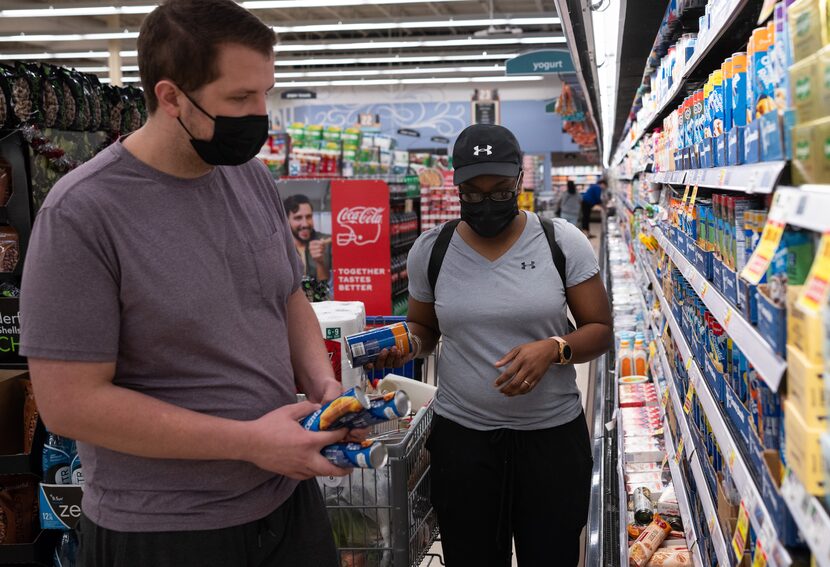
(379,41)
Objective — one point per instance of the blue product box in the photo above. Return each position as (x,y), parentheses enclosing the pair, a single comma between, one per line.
(772,322)
(694,157)
(735,146)
(730,285)
(703,261)
(719,151)
(717,273)
(789,123)
(714,377)
(687,157)
(678,160)
(704,150)
(739,416)
(772,142)
(752,142)
(60,506)
(749,300)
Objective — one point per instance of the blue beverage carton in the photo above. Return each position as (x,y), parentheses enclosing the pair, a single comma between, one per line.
(739,90)
(721,150)
(365,455)
(58,453)
(735,146)
(752,142)
(772,143)
(726,72)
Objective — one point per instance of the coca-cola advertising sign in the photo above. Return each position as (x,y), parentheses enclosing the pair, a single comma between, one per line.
(360,240)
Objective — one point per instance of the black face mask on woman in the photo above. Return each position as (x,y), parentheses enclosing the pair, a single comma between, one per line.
(490,218)
(236,139)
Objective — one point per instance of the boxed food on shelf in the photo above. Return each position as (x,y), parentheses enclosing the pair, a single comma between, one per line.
(643,449)
(806,387)
(806,85)
(803,449)
(807,27)
(805,331)
(772,323)
(825,455)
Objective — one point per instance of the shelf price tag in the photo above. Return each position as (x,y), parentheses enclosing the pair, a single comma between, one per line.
(722,176)
(688,363)
(685,197)
(727,318)
(693,199)
(741,531)
(760,555)
(687,404)
(731,459)
(664,401)
(704,290)
(763,254)
(679,452)
(817,287)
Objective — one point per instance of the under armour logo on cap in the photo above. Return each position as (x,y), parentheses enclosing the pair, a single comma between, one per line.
(486,149)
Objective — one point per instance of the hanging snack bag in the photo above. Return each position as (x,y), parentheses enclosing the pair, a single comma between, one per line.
(93,90)
(51,96)
(84,116)
(25,96)
(70,92)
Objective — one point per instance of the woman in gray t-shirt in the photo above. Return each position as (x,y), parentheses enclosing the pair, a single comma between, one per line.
(510,450)
(570,203)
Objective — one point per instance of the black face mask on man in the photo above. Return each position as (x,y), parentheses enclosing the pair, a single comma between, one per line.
(490,218)
(236,139)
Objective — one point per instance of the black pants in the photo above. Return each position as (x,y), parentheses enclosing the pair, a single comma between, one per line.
(489,487)
(586,215)
(296,533)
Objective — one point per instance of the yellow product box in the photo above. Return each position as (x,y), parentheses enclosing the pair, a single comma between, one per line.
(806,90)
(804,450)
(823,76)
(804,163)
(821,150)
(807,27)
(805,331)
(805,388)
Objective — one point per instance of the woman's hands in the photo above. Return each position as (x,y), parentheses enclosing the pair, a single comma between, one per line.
(526,365)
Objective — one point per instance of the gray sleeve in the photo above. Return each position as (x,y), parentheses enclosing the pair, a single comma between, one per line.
(69,300)
(417,263)
(580,259)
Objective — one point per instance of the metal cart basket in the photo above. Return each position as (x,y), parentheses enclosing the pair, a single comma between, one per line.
(383,517)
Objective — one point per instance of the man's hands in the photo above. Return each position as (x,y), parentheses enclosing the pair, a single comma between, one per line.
(527,365)
(278,443)
(318,250)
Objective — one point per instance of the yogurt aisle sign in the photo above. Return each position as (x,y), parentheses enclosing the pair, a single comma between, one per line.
(541,62)
(361,244)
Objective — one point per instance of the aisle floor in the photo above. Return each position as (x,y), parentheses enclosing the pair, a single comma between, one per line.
(582,381)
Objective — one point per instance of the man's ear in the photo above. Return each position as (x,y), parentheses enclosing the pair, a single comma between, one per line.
(167,94)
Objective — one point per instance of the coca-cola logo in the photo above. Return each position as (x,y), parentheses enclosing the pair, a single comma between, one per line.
(362,225)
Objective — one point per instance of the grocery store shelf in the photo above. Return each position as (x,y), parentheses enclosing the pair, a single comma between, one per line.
(678,91)
(759,515)
(806,206)
(812,519)
(751,178)
(706,500)
(758,351)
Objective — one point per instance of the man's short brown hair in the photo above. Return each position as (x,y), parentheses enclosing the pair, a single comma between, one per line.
(179,41)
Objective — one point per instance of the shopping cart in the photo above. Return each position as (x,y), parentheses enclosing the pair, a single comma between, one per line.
(383,517)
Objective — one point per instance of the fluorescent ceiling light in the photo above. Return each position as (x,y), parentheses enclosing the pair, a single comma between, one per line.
(392,59)
(62,55)
(380,72)
(68,37)
(433,80)
(410,44)
(451,23)
(253,5)
(105,69)
(123,79)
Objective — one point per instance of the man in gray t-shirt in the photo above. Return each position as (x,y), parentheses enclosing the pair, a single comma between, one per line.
(164,323)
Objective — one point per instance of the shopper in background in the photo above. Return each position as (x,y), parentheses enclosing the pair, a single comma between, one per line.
(313,247)
(570,203)
(510,449)
(164,323)
(591,198)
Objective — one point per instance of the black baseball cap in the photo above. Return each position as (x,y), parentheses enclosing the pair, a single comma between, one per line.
(485,149)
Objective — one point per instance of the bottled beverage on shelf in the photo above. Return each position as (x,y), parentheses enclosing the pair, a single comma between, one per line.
(626,359)
(640,358)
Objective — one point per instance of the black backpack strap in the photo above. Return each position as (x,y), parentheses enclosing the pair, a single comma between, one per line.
(555,250)
(439,250)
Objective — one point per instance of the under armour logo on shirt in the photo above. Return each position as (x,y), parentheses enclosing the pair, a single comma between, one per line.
(479,149)
(531,265)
